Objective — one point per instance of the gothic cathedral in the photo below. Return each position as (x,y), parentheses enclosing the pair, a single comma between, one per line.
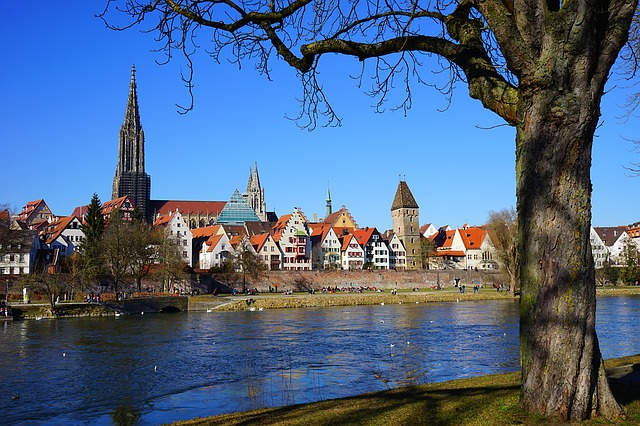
(130,178)
(405,217)
(255,194)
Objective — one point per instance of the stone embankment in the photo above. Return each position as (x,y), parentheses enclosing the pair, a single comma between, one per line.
(65,310)
(257,302)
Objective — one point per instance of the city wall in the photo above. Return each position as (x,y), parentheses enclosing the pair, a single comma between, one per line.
(306,280)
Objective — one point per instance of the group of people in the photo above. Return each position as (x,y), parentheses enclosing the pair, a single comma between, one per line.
(5,311)
(92,298)
(349,289)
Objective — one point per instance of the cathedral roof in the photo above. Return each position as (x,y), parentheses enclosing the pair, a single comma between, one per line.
(404,198)
(162,207)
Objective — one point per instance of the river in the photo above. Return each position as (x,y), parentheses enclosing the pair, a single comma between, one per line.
(167,367)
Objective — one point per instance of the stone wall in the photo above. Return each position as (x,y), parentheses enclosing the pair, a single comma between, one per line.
(151,304)
(305,280)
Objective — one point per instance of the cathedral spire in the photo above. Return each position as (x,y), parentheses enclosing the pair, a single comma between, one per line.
(256,178)
(250,180)
(130,178)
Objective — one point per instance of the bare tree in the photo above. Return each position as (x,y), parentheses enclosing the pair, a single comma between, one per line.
(541,66)
(170,266)
(427,248)
(630,272)
(115,248)
(503,231)
(53,286)
(247,262)
(142,250)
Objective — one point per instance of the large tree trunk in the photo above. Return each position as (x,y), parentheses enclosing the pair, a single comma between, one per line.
(562,369)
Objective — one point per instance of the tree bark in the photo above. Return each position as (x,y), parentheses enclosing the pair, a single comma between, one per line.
(562,369)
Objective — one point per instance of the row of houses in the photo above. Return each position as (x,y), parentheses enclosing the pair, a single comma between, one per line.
(291,243)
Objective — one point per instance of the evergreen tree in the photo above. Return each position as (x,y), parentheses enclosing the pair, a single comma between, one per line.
(137,216)
(93,228)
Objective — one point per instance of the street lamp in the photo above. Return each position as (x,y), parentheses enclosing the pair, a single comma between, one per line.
(6,295)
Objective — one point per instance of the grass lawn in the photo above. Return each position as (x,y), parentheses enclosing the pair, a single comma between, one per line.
(483,400)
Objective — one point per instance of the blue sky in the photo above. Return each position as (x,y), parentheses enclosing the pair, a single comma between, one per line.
(65,81)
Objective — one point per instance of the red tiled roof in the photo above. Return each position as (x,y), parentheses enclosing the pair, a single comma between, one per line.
(346,240)
(28,210)
(257,241)
(472,237)
(114,204)
(332,219)
(610,234)
(282,222)
(206,231)
(458,253)
(277,229)
(424,227)
(55,229)
(163,220)
(163,207)
(320,230)
(236,240)
(80,211)
(213,241)
(339,230)
(363,235)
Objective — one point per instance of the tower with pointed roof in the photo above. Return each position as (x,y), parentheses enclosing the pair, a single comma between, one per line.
(255,193)
(130,177)
(405,217)
(329,209)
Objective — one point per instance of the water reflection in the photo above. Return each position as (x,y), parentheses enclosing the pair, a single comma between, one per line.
(160,368)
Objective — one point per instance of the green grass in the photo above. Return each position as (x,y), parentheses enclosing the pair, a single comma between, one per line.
(484,400)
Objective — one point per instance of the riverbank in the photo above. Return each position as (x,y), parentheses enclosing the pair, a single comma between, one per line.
(306,300)
(295,300)
(483,400)
(321,300)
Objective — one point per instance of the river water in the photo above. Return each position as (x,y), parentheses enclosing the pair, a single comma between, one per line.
(166,367)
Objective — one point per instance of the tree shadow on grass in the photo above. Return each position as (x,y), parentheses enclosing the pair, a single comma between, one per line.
(439,405)
(625,383)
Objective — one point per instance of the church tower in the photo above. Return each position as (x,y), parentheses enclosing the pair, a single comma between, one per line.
(130,178)
(255,194)
(329,209)
(405,217)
